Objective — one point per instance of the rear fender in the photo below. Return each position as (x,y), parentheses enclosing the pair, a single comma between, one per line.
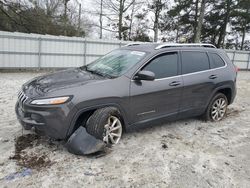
(216,91)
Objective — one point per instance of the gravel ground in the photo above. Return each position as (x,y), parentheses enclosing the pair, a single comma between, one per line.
(187,153)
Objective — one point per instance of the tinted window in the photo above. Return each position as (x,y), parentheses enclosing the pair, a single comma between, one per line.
(194,62)
(164,65)
(216,60)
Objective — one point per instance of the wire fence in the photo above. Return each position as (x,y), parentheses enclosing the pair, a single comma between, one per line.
(25,51)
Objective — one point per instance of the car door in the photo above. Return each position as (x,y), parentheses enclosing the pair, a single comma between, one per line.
(158,98)
(198,81)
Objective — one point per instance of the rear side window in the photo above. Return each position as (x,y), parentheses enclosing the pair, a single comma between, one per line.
(164,65)
(216,60)
(194,62)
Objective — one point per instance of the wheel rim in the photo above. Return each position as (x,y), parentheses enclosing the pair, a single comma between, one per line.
(112,130)
(218,109)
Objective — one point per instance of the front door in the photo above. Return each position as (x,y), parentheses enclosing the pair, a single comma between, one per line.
(158,98)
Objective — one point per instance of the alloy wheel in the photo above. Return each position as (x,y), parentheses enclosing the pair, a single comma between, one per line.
(219,108)
(112,130)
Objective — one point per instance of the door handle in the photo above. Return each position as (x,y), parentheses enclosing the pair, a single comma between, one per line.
(175,83)
(212,76)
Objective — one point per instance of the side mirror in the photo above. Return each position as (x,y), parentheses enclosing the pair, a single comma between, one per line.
(145,75)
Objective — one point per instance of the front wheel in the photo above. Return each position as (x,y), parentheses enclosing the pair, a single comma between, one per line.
(106,124)
(217,108)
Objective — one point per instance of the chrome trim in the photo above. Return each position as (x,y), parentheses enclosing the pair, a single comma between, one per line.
(132,44)
(179,51)
(159,79)
(19,93)
(204,71)
(22,98)
(143,113)
(184,45)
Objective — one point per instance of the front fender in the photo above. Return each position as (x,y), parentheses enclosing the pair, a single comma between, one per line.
(95,107)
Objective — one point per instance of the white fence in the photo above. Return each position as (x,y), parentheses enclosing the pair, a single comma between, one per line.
(20,50)
(240,58)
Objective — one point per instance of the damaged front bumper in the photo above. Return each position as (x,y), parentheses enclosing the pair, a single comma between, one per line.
(53,121)
(49,121)
(82,143)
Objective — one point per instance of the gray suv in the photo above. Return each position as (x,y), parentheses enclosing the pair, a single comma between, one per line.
(136,85)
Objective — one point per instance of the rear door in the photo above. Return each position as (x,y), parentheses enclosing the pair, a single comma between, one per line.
(160,97)
(199,82)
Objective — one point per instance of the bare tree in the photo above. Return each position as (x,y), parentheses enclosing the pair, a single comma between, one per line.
(118,7)
(137,5)
(65,18)
(131,21)
(51,6)
(43,17)
(156,7)
(100,18)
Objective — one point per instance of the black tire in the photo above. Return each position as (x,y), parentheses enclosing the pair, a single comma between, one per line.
(96,122)
(207,116)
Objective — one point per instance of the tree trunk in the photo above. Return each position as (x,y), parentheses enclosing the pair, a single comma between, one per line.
(100,20)
(158,8)
(177,35)
(224,26)
(156,30)
(79,20)
(131,21)
(243,37)
(244,32)
(196,19)
(65,17)
(120,20)
(200,22)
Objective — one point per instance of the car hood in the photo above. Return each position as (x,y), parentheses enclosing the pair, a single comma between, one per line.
(59,80)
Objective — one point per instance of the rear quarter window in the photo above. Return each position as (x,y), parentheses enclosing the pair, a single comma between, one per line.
(193,61)
(216,61)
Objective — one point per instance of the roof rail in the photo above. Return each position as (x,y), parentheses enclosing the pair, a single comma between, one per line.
(168,45)
(132,44)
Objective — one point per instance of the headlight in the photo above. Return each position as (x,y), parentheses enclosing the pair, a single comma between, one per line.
(54,100)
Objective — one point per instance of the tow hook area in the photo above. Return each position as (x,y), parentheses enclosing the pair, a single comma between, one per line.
(82,143)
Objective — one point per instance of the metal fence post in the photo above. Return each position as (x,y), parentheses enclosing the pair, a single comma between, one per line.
(39,52)
(233,57)
(84,52)
(248,61)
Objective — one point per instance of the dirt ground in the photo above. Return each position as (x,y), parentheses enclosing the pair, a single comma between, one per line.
(187,153)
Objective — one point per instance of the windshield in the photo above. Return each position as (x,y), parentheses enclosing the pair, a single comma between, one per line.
(115,63)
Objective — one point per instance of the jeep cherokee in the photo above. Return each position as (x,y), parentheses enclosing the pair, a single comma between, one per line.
(138,84)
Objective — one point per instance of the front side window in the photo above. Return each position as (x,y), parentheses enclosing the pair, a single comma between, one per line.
(194,62)
(115,63)
(216,60)
(164,65)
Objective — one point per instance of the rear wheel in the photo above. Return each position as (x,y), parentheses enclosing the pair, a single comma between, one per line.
(217,108)
(106,124)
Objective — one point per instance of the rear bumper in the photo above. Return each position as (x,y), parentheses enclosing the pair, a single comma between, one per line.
(51,121)
(234,92)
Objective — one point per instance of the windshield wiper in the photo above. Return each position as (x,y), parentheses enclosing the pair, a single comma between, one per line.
(99,73)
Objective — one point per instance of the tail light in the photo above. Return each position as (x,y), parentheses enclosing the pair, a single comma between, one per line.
(236,68)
